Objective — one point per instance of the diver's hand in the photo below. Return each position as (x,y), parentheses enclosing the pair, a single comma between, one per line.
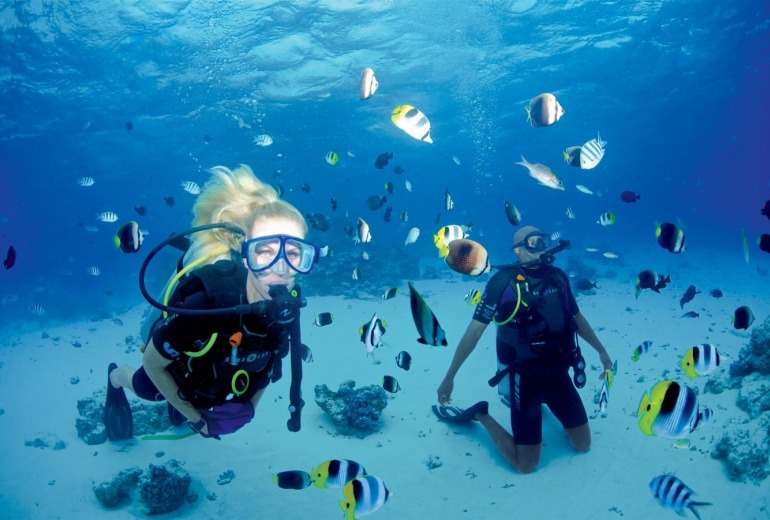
(444,391)
(604,357)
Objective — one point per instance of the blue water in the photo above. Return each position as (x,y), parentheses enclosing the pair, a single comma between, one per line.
(678,89)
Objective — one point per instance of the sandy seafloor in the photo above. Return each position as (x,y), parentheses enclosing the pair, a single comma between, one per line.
(610,481)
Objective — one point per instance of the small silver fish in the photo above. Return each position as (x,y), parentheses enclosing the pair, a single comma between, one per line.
(542,174)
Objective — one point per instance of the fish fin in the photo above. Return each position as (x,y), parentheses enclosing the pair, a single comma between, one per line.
(443,251)
(420,340)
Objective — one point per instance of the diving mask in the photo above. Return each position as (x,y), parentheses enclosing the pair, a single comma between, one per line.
(262,253)
(535,242)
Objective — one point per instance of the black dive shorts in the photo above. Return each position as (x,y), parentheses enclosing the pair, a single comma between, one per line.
(533,386)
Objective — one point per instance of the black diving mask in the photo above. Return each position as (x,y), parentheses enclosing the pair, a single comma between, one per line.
(535,242)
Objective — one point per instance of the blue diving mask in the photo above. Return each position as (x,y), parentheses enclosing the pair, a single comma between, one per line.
(535,242)
(263,253)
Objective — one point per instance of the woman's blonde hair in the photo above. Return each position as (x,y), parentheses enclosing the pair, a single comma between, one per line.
(239,197)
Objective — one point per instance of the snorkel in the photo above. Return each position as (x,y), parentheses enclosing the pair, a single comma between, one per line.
(283,308)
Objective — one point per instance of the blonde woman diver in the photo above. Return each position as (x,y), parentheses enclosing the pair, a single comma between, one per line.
(213,368)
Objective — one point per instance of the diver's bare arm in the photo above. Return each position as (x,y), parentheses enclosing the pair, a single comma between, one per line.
(467,344)
(586,332)
(155,366)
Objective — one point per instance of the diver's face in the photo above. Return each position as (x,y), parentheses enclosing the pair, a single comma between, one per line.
(279,273)
(524,255)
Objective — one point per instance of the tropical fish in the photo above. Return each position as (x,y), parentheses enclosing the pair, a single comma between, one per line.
(544,110)
(743,318)
(629,196)
(323,318)
(363,235)
(294,479)
(403,216)
(572,156)
(688,295)
(669,410)
(305,188)
(766,209)
(390,384)
(445,236)
(94,271)
(764,243)
(745,246)
(129,237)
(583,189)
(391,292)
(556,235)
(473,297)
(649,279)
(512,213)
(107,216)
(129,125)
(86,182)
(356,273)
(389,187)
(427,325)
(318,221)
(604,393)
(263,140)
(368,84)
(643,348)
(606,219)
(191,187)
(412,236)
(398,170)
(37,309)
(169,201)
(542,174)
(336,473)
(404,360)
(333,203)
(363,496)
(570,214)
(412,121)
(585,284)
(10,258)
(371,333)
(704,417)
(592,152)
(467,257)
(456,160)
(670,237)
(142,210)
(448,202)
(375,202)
(674,494)
(117,321)
(332,158)
(716,293)
(408,185)
(382,160)
(700,360)
(690,314)
(610,255)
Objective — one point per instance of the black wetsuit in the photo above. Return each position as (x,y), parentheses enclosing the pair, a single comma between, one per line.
(534,344)
(223,372)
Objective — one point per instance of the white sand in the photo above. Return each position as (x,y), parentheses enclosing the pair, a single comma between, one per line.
(610,481)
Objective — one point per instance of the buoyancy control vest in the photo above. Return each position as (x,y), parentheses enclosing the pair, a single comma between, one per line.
(222,356)
(534,316)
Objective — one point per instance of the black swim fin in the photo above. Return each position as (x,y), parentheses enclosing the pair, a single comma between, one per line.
(453,414)
(118,421)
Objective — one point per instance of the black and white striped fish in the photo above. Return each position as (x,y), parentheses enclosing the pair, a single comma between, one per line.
(592,152)
(427,325)
(674,494)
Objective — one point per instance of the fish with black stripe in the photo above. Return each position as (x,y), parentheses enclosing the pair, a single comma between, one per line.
(427,325)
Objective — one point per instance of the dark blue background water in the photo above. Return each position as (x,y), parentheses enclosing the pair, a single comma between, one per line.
(678,89)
